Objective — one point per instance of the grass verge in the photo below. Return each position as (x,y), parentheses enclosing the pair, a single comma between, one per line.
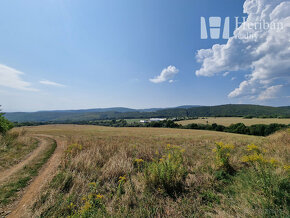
(14,146)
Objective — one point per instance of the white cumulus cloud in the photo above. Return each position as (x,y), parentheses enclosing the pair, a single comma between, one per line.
(51,83)
(11,78)
(270,92)
(264,50)
(166,75)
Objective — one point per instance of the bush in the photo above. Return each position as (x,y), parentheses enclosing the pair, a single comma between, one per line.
(263,178)
(5,124)
(93,205)
(167,174)
(238,128)
(223,157)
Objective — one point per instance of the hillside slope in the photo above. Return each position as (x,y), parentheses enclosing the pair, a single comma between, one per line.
(231,110)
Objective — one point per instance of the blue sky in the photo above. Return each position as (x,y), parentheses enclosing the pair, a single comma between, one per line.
(63,54)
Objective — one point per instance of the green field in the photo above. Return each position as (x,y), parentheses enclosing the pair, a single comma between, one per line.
(227,121)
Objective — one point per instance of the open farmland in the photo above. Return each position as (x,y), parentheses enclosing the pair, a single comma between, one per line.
(148,172)
(227,121)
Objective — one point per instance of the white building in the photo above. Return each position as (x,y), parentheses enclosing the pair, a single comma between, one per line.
(144,121)
(157,119)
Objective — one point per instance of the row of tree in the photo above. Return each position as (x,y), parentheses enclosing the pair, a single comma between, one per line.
(240,128)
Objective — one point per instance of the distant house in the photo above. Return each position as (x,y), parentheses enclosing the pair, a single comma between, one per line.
(152,120)
(156,119)
(144,121)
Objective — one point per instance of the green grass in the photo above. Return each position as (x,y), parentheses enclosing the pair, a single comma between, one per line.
(9,190)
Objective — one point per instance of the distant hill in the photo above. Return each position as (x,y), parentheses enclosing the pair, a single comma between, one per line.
(229,110)
(116,109)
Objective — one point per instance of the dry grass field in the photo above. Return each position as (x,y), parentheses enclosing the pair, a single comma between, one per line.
(15,146)
(146,172)
(159,172)
(227,121)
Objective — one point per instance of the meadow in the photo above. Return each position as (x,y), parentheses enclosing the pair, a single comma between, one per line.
(157,172)
(14,147)
(227,121)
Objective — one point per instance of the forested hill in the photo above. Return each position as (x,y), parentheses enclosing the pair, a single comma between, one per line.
(230,110)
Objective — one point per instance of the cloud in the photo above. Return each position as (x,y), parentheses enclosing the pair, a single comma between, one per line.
(11,78)
(263,50)
(51,83)
(226,73)
(166,75)
(270,92)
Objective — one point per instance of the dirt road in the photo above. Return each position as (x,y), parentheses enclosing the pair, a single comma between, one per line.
(44,176)
(14,169)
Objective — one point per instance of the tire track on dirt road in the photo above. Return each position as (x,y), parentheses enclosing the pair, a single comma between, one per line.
(44,176)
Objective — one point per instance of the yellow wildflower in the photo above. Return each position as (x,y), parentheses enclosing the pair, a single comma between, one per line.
(71,206)
(99,196)
(139,161)
(86,207)
(253,158)
(176,147)
(273,162)
(221,145)
(92,184)
(253,147)
(122,178)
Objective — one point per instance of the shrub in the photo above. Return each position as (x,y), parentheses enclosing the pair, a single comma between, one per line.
(238,128)
(223,156)
(167,174)
(121,182)
(5,125)
(73,149)
(93,205)
(264,179)
(139,164)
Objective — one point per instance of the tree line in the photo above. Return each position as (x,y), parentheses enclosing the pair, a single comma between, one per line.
(240,128)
